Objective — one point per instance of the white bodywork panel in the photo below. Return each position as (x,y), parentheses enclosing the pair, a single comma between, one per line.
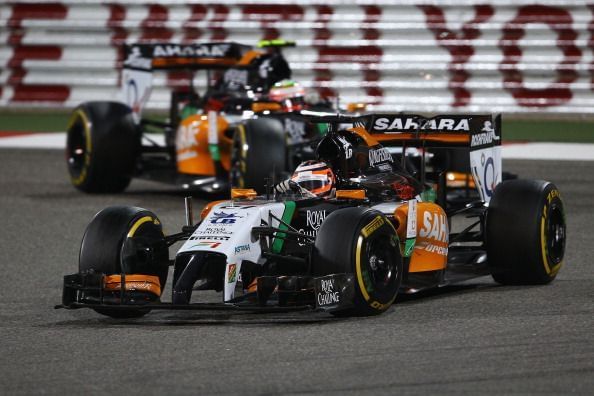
(387,208)
(485,157)
(485,165)
(227,229)
(411,220)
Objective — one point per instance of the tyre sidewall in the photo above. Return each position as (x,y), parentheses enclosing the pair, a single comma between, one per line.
(517,233)
(103,241)
(259,152)
(112,142)
(341,247)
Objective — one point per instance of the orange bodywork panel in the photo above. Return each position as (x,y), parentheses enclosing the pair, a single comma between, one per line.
(375,138)
(366,136)
(431,247)
(134,282)
(248,193)
(259,107)
(192,146)
(350,194)
(452,138)
(166,62)
(248,57)
(206,210)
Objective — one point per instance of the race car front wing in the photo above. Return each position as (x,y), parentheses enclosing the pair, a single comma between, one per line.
(328,293)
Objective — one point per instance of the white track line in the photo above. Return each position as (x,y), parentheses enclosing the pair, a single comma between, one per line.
(35,140)
(549,151)
(56,140)
(532,151)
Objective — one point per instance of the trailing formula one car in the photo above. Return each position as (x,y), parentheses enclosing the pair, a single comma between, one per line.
(248,114)
(346,233)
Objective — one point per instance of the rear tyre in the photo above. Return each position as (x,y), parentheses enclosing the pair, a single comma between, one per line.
(259,152)
(129,239)
(525,232)
(362,242)
(102,146)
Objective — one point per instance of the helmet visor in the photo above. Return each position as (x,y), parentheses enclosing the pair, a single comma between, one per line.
(313,182)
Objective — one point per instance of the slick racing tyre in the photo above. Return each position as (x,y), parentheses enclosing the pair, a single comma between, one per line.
(259,152)
(525,232)
(102,146)
(362,242)
(129,239)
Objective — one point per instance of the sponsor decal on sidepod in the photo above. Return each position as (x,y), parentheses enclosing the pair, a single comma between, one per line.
(435,227)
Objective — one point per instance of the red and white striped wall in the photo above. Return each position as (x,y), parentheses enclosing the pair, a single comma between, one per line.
(433,56)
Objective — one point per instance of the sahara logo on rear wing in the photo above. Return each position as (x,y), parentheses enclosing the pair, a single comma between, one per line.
(478,129)
(411,123)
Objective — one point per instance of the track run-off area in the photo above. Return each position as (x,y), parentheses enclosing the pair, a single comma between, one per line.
(478,337)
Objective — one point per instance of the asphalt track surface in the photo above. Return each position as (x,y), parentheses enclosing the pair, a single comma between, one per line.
(478,338)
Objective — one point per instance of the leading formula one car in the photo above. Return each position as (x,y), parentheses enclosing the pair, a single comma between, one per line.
(247,114)
(376,233)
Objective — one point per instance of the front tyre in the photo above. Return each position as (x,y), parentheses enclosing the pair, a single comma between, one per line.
(129,240)
(362,242)
(525,232)
(102,146)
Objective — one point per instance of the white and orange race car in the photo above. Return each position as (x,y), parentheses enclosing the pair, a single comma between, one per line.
(244,128)
(380,232)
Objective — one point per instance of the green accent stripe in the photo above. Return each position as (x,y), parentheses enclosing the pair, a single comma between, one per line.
(214,152)
(278,242)
(409,245)
(322,129)
(429,195)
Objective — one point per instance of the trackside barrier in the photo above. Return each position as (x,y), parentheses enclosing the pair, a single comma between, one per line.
(438,56)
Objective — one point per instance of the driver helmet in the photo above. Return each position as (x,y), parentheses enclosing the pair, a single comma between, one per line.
(316,177)
(289,94)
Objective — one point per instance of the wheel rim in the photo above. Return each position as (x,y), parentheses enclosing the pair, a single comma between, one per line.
(76,147)
(382,264)
(555,234)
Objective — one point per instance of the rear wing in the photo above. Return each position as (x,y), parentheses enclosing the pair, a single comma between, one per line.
(475,131)
(480,133)
(169,56)
(448,130)
(141,59)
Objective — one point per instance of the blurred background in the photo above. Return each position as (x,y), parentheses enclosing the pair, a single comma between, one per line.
(533,62)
